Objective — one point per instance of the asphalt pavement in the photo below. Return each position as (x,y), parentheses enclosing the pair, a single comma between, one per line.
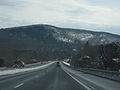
(52,77)
(49,78)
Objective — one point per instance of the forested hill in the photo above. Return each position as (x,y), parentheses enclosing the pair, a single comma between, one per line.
(47,42)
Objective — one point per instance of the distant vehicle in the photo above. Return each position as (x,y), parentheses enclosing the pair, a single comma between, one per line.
(58,64)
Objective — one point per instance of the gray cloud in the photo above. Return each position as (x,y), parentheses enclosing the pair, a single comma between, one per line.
(57,12)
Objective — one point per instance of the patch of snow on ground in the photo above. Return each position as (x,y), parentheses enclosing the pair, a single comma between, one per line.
(13,71)
(66,63)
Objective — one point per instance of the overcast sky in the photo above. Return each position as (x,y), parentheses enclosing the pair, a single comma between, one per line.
(96,15)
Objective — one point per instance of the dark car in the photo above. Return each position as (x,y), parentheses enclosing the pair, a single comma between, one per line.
(58,64)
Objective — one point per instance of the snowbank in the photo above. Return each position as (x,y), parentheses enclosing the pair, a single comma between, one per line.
(13,71)
(66,63)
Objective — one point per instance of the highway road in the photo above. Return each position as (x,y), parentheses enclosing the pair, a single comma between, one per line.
(52,77)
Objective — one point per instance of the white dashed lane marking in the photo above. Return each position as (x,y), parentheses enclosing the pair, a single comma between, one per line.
(19,85)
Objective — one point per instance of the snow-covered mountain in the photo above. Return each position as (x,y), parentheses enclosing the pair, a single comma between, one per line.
(47,37)
(72,35)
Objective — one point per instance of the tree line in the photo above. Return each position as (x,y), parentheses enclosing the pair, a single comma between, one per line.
(98,56)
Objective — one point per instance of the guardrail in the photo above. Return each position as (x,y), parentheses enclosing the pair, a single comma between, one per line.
(112,75)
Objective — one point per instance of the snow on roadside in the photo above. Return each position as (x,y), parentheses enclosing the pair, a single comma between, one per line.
(66,63)
(13,71)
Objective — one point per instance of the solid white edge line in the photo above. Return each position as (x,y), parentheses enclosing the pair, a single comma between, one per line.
(19,85)
(78,81)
